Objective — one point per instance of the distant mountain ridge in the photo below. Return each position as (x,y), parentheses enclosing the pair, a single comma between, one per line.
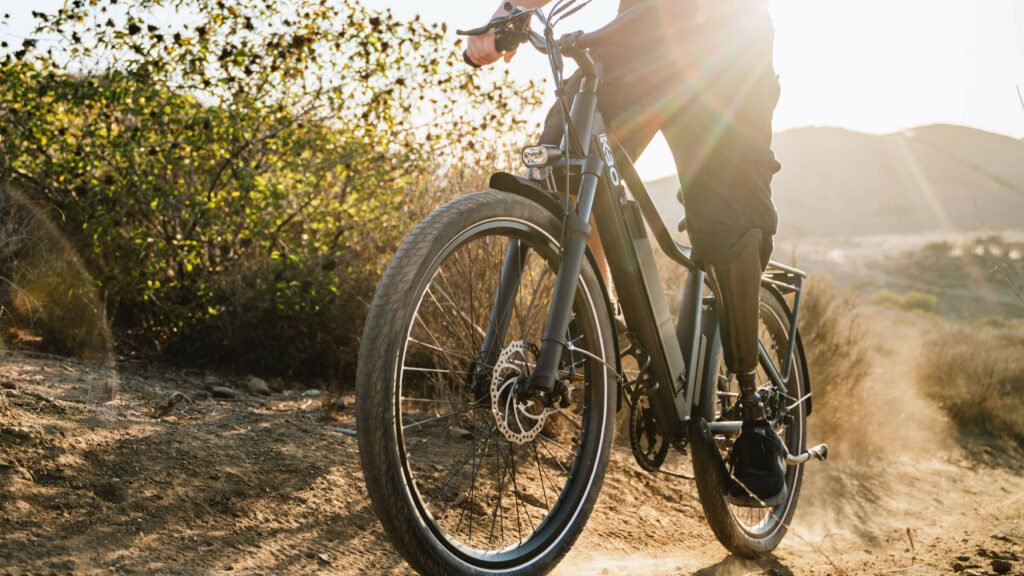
(836,182)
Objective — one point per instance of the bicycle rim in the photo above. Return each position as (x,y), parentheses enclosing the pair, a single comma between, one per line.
(490,496)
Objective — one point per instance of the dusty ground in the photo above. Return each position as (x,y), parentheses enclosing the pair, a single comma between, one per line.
(255,485)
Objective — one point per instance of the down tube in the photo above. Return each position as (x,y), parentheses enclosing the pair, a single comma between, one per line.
(643,301)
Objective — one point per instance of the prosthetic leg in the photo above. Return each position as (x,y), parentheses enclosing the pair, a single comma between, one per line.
(757,458)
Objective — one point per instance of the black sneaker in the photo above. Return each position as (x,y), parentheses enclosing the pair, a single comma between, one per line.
(758,462)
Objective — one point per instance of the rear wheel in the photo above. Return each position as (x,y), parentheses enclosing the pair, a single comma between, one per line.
(467,476)
(753,531)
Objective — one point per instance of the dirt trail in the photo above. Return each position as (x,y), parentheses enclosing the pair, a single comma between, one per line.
(253,485)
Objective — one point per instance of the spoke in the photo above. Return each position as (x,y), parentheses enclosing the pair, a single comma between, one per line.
(472,487)
(548,450)
(570,418)
(443,351)
(497,509)
(436,345)
(536,290)
(540,476)
(472,285)
(436,370)
(517,299)
(458,473)
(515,485)
(549,440)
(425,400)
(474,296)
(416,424)
(444,315)
(456,307)
(515,501)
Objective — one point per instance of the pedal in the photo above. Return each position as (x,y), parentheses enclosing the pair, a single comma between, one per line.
(819,452)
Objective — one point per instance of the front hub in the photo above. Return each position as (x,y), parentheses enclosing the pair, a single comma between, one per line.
(519,418)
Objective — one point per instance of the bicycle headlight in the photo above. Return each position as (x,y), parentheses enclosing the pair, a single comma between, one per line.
(535,156)
(540,156)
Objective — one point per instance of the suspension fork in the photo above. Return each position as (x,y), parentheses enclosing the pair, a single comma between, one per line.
(574,246)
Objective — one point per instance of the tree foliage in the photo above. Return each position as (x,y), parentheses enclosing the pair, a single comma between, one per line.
(233,172)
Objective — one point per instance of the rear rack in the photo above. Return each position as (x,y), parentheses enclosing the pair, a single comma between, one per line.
(787,280)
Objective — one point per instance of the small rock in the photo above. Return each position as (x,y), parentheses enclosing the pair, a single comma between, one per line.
(222,392)
(963,558)
(312,393)
(8,384)
(211,380)
(16,472)
(276,384)
(460,499)
(324,558)
(958,567)
(1001,566)
(257,386)
(462,433)
(25,437)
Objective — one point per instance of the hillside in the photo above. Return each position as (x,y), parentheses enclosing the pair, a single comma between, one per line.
(835,182)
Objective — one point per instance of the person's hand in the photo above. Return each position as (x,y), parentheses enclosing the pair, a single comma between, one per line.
(482,52)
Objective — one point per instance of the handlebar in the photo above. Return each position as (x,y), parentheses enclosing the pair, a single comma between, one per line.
(509,31)
(514,29)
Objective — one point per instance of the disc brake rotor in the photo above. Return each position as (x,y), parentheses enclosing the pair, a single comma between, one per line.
(519,421)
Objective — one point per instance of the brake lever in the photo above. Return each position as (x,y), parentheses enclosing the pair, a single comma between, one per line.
(477,31)
(515,33)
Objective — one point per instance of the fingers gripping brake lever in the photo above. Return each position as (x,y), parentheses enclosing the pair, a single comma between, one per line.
(509,31)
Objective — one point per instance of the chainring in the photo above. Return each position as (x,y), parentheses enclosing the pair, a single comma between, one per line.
(649,447)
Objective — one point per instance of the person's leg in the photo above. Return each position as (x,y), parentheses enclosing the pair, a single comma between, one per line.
(722,146)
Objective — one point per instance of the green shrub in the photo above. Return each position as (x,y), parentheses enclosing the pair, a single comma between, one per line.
(912,301)
(919,302)
(235,180)
(886,299)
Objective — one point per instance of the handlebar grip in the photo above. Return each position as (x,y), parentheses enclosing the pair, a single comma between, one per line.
(465,57)
(506,42)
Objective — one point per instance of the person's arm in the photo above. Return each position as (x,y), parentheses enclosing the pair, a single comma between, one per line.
(481,48)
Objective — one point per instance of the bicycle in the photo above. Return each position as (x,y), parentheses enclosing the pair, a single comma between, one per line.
(490,372)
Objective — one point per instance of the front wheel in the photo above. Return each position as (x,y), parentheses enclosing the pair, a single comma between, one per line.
(752,532)
(466,474)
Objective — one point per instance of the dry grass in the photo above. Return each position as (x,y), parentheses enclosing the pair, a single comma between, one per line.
(976,374)
(834,341)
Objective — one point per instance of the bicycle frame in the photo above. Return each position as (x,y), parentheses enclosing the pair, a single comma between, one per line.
(677,350)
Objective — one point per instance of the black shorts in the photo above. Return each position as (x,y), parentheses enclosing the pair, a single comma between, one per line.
(711,89)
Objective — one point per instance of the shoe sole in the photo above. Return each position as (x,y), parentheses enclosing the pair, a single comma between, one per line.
(751,502)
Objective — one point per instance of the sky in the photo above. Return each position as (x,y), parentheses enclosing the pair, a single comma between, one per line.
(874,66)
